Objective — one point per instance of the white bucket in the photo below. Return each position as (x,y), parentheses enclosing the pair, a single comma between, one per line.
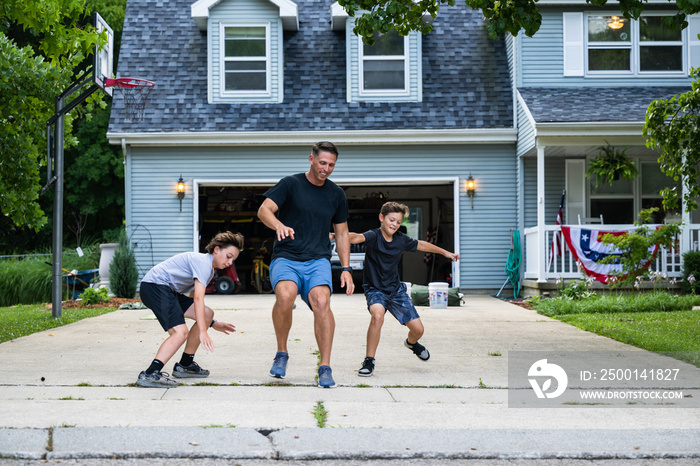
(408,288)
(437,295)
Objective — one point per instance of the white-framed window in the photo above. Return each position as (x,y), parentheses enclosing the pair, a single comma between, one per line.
(615,45)
(245,59)
(384,66)
(620,202)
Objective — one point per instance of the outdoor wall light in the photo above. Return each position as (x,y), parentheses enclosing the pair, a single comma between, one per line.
(181,190)
(471,188)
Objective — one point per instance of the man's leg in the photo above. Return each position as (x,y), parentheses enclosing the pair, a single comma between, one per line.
(374,331)
(324,322)
(285,294)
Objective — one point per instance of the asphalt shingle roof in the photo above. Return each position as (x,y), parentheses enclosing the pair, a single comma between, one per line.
(592,104)
(465,77)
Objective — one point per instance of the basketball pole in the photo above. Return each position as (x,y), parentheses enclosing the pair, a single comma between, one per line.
(58,119)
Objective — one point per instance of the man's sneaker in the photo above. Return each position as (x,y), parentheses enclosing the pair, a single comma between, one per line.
(325,378)
(193,370)
(279,366)
(418,349)
(155,380)
(367,368)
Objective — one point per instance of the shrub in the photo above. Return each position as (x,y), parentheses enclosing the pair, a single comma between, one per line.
(123,274)
(95,295)
(691,266)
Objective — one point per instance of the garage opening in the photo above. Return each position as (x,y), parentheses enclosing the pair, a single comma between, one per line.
(227,206)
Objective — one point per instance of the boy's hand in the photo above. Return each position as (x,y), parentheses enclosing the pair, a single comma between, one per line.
(451,255)
(223,327)
(205,341)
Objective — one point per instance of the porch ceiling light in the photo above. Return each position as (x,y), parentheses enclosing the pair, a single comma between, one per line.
(180,190)
(471,188)
(615,22)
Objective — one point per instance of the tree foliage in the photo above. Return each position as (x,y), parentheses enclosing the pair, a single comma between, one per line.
(502,15)
(673,127)
(123,274)
(42,45)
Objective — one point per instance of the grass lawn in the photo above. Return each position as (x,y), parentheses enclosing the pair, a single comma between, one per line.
(677,331)
(21,320)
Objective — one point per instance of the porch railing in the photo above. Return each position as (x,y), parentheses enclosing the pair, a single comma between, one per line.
(563,264)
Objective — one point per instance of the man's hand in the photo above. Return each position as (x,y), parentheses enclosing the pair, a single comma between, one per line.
(283,231)
(452,256)
(347,283)
(223,327)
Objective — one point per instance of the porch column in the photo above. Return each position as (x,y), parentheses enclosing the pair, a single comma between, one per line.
(542,250)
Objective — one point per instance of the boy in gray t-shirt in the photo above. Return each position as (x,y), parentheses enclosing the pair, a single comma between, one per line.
(165,290)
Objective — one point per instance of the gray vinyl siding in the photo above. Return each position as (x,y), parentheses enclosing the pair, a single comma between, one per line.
(555,181)
(542,61)
(415,78)
(526,133)
(245,12)
(484,231)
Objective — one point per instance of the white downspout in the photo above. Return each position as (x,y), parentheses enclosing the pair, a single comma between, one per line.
(541,250)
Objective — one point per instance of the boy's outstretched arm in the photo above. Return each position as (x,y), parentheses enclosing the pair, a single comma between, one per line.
(424,246)
(355,238)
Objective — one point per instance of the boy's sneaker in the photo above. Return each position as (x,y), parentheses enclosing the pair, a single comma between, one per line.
(418,349)
(155,380)
(279,365)
(325,378)
(193,370)
(367,368)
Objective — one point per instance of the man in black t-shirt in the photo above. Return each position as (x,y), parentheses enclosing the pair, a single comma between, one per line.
(384,247)
(301,208)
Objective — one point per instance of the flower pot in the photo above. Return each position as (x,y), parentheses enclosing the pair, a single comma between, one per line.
(106,257)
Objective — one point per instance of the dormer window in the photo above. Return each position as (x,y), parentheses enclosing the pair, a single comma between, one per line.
(384,65)
(246,58)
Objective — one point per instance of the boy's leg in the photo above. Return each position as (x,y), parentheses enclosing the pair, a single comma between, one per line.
(178,335)
(193,337)
(374,330)
(415,330)
(324,322)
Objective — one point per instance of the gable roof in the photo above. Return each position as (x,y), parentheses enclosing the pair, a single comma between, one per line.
(465,77)
(593,104)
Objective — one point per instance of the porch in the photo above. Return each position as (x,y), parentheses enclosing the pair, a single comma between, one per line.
(541,271)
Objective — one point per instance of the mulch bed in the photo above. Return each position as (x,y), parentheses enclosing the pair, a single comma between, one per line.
(113,302)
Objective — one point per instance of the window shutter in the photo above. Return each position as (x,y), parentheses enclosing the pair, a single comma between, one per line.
(573,44)
(575,190)
(693,41)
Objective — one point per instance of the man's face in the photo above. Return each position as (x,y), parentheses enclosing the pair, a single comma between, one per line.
(321,167)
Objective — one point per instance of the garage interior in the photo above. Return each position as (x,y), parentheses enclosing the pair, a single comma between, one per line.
(234,207)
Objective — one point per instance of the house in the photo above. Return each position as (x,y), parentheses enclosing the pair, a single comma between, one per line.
(584,81)
(245,87)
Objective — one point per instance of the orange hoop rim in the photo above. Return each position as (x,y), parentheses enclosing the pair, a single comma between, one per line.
(129,83)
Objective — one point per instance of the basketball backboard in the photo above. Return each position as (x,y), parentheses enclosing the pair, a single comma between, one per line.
(104,56)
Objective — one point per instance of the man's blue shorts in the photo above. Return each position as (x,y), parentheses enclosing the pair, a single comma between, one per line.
(306,275)
(398,303)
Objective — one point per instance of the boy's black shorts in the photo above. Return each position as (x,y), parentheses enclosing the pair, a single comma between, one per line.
(169,306)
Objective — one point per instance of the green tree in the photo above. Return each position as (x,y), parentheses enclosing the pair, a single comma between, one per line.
(672,126)
(502,15)
(42,46)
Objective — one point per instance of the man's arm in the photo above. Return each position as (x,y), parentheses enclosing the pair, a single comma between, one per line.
(424,246)
(266,214)
(342,247)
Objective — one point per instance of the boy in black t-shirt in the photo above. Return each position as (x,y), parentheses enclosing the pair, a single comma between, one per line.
(384,290)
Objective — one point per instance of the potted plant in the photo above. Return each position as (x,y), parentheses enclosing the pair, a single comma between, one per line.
(610,165)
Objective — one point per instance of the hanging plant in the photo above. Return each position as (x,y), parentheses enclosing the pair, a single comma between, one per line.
(610,165)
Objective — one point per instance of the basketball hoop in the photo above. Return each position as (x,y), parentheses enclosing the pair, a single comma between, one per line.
(135,92)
